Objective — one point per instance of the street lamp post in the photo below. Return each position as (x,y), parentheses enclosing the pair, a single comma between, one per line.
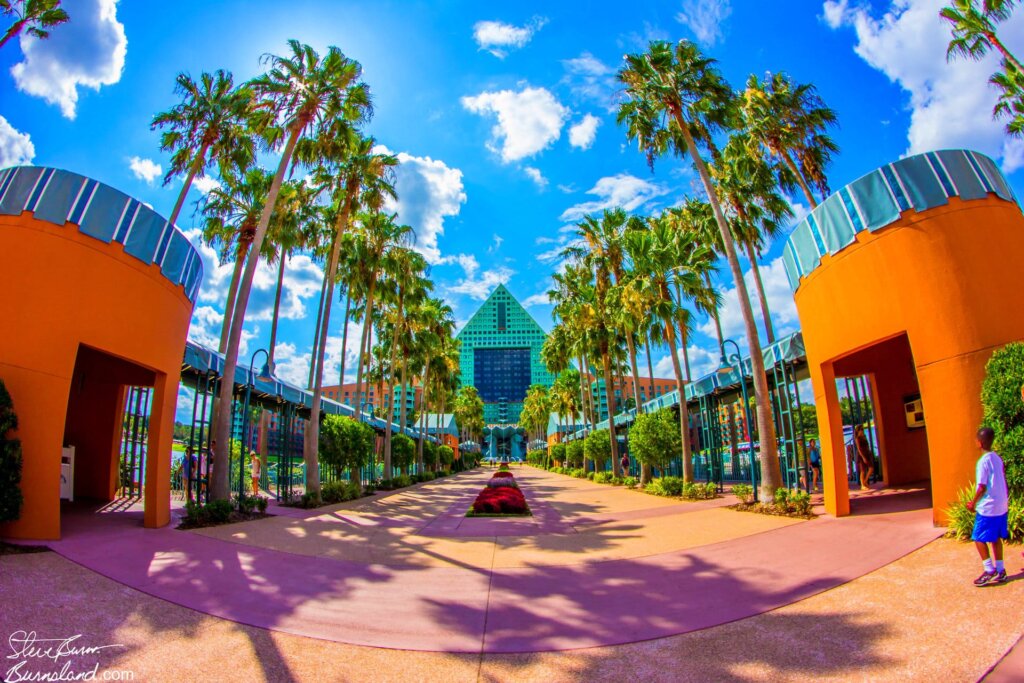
(267,373)
(725,366)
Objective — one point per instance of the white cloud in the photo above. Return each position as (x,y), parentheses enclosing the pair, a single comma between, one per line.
(780,304)
(705,18)
(302,281)
(702,362)
(496,244)
(205,184)
(528,120)
(582,134)
(293,366)
(541,299)
(428,192)
(145,169)
(536,176)
(622,190)
(478,286)
(16,148)
(498,37)
(950,103)
(88,51)
(591,79)
(639,40)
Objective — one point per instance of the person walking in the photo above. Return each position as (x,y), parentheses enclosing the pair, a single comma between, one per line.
(256,470)
(814,460)
(865,457)
(991,507)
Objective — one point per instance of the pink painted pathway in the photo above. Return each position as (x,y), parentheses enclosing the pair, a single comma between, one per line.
(473,609)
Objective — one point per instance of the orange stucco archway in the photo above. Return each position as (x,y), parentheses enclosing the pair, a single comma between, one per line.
(100,292)
(911,274)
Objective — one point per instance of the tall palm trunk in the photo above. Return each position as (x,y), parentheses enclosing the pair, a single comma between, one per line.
(344,338)
(423,411)
(362,361)
(684,412)
(236,276)
(995,42)
(277,310)
(771,473)
(684,329)
(316,331)
(222,428)
(390,379)
(606,359)
(650,369)
(759,285)
(791,165)
(193,170)
(636,373)
(311,455)
(402,408)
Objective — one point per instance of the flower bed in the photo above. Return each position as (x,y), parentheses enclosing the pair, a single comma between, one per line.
(501,497)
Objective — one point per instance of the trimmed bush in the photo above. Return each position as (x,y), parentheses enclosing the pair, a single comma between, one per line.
(745,492)
(665,486)
(629,482)
(574,454)
(1004,410)
(654,438)
(603,478)
(446,456)
(557,453)
(597,447)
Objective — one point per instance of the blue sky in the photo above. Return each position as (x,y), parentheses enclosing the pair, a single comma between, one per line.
(502,114)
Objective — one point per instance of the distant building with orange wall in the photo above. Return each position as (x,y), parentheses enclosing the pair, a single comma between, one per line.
(911,276)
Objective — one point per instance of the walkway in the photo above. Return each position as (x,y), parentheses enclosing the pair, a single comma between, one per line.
(597,566)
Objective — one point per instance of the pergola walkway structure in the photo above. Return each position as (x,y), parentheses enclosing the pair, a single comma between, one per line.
(714,460)
(280,433)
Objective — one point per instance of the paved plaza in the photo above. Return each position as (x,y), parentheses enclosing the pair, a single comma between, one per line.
(602,583)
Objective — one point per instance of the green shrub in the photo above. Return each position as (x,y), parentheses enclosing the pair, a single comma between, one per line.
(696,491)
(654,438)
(446,456)
(574,453)
(403,451)
(261,504)
(10,460)
(370,488)
(781,496)
(630,482)
(402,480)
(1004,410)
(617,481)
(665,486)
(745,492)
(603,478)
(961,520)
(557,452)
(591,475)
(219,511)
(311,499)
(597,447)
(800,502)
(339,491)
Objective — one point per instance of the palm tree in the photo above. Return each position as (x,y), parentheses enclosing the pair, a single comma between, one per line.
(355,176)
(791,121)
(666,256)
(758,212)
(231,213)
(209,126)
(405,273)
(299,95)
(974,29)
(378,236)
(668,91)
(32,17)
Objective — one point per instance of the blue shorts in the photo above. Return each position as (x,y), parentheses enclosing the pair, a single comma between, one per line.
(990,529)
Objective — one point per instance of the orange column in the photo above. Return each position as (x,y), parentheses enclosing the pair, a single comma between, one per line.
(833,448)
(158,451)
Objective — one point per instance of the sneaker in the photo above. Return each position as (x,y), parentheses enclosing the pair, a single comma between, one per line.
(998,577)
(985,579)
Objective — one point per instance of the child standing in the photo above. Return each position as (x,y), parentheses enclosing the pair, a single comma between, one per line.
(991,505)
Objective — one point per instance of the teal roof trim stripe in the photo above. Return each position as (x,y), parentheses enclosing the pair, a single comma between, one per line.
(59,197)
(877,200)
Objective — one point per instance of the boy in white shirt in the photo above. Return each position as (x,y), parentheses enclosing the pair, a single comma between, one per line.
(991,503)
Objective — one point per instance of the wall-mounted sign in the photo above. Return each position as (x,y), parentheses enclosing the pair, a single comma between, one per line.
(914,411)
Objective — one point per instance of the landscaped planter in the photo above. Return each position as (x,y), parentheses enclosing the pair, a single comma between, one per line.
(501,497)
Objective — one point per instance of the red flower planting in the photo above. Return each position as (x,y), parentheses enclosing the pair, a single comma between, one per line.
(502,475)
(500,500)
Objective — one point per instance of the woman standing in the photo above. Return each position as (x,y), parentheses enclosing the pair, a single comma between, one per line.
(865,457)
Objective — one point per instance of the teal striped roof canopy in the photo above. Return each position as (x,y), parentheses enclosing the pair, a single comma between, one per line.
(878,199)
(103,213)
